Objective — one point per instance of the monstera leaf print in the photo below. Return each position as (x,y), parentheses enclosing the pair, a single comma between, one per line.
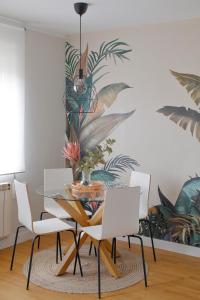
(186,117)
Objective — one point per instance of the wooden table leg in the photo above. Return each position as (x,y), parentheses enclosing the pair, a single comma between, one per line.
(76,212)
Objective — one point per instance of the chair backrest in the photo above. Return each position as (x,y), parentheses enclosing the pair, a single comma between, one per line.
(143,180)
(24,210)
(55,179)
(121,212)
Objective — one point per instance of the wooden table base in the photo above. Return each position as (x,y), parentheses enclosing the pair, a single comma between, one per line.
(75,209)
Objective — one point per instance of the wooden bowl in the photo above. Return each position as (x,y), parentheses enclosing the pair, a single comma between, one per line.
(94,190)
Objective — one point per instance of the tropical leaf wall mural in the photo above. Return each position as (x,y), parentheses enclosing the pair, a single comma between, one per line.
(182,116)
(180,222)
(88,128)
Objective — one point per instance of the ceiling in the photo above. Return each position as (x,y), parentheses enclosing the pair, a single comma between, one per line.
(58,16)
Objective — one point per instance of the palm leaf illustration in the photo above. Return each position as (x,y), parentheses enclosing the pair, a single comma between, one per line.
(113,49)
(119,164)
(183,117)
(71,60)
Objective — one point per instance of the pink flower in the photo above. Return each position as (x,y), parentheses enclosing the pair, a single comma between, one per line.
(72,152)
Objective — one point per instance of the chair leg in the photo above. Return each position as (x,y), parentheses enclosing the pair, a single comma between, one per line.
(14,247)
(76,228)
(41,217)
(95,251)
(57,238)
(77,253)
(99,270)
(112,250)
(90,248)
(75,262)
(59,245)
(151,236)
(143,259)
(30,263)
(115,250)
(129,242)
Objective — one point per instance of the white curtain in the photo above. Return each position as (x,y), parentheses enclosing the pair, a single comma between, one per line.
(12,77)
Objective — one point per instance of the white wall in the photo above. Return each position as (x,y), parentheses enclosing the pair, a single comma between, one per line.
(162,148)
(44,115)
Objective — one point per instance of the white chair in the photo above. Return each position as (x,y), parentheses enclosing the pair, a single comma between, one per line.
(53,225)
(115,223)
(143,180)
(55,179)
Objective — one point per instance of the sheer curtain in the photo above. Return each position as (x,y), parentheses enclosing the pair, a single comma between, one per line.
(12,77)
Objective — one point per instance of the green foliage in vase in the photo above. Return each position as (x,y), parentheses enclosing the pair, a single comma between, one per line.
(95,157)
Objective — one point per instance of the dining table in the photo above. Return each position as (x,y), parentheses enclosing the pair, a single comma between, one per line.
(74,207)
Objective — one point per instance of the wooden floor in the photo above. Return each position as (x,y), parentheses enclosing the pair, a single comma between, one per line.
(173,276)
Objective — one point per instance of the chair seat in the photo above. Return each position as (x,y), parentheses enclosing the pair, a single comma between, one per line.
(50,226)
(60,213)
(93,231)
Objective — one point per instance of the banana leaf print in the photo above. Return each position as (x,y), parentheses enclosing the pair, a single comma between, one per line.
(106,97)
(191,83)
(97,130)
(182,116)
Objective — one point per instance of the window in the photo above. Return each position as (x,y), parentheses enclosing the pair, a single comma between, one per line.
(12,74)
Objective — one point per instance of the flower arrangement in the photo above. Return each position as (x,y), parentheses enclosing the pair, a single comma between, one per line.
(95,157)
(72,152)
(90,160)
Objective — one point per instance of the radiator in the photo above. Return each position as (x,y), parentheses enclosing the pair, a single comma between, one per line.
(5,210)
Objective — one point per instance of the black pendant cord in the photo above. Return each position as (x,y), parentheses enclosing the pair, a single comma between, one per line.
(80,42)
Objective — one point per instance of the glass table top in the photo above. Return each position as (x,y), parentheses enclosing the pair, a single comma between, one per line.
(65,192)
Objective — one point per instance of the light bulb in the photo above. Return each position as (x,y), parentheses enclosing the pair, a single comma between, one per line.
(79,85)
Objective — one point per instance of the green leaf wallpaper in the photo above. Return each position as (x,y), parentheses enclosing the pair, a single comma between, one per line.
(84,126)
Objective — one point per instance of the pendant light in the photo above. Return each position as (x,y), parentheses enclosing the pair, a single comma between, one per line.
(81,96)
(79,81)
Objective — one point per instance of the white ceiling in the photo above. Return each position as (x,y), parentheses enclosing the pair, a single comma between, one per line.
(58,16)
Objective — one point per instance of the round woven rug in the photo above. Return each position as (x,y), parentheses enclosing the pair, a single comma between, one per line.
(44,267)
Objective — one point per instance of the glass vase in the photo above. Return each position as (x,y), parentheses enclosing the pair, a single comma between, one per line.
(86,179)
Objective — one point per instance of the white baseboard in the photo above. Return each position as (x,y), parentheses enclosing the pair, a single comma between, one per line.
(168,246)
(23,236)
